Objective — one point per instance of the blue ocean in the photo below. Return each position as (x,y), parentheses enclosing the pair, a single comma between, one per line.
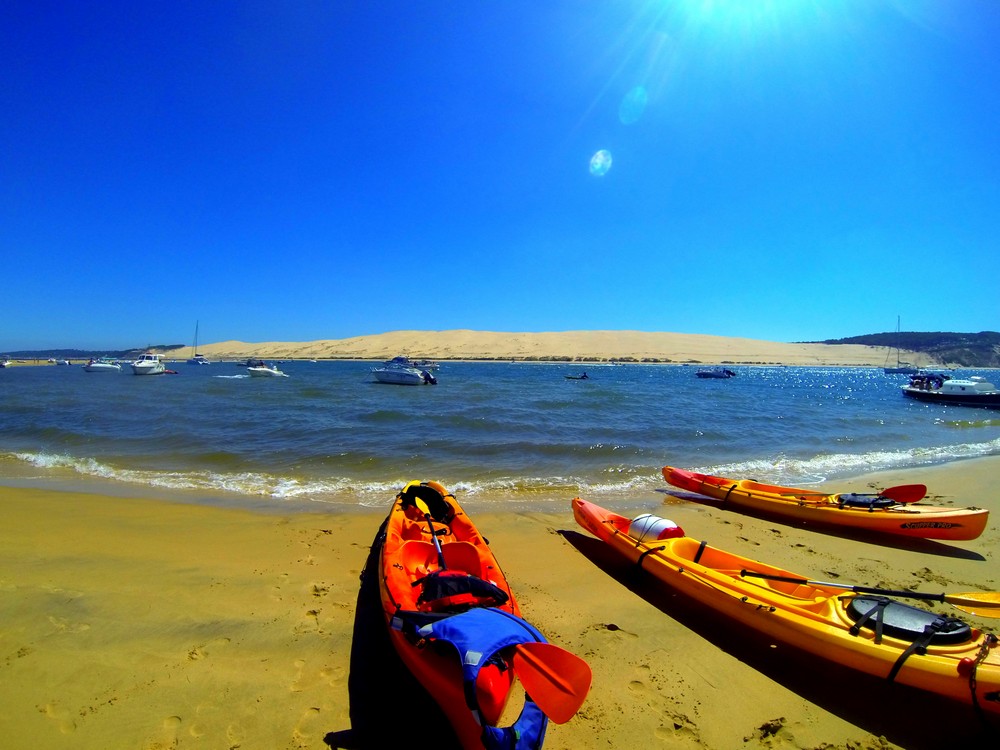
(521,435)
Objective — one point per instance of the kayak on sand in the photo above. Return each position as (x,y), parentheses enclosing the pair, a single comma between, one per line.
(862,628)
(890,511)
(456,625)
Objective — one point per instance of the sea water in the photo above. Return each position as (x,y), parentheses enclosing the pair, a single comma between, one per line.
(498,434)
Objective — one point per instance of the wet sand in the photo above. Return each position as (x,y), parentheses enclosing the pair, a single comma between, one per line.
(138,623)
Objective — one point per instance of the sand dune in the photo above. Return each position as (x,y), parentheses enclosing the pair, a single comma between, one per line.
(567,345)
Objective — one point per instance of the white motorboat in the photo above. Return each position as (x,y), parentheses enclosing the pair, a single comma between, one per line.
(148,364)
(264,370)
(102,364)
(397,374)
(404,361)
(940,389)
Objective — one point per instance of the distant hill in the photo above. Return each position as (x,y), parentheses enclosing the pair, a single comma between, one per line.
(963,349)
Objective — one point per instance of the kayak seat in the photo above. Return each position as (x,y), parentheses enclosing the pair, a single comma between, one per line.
(440,509)
(418,558)
(463,556)
(905,622)
(853,500)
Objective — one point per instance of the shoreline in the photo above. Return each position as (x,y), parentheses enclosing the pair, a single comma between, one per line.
(560,347)
(150,623)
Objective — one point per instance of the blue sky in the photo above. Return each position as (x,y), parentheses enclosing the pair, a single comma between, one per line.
(780,169)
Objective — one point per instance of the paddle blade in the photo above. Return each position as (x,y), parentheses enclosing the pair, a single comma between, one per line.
(979,603)
(556,680)
(905,493)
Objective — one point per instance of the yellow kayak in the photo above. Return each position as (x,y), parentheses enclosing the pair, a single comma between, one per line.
(870,632)
(886,512)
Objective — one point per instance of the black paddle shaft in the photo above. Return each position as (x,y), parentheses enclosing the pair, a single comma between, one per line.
(856,589)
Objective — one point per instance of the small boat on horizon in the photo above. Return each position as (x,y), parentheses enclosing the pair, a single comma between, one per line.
(719,373)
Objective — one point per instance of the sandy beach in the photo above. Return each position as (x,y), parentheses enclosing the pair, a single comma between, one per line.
(136,623)
(590,346)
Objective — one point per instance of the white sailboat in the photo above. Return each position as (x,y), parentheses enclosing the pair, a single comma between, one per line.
(901,368)
(197,359)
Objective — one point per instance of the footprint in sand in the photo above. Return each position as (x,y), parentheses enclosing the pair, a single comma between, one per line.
(306,679)
(168,735)
(66,626)
(320,589)
(200,652)
(60,716)
(309,623)
(307,727)
(276,589)
(674,727)
(235,735)
(297,684)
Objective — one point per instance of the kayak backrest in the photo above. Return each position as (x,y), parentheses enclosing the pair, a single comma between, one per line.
(440,509)
(463,556)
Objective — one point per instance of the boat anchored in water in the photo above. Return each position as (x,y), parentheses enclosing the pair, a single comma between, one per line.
(940,389)
(401,371)
(197,359)
(148,364)
(900,368)
(720,373)
(102,364)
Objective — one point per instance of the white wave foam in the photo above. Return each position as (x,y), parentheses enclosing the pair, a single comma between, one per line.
(505,490)
(784,470)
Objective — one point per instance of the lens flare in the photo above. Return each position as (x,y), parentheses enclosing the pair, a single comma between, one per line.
(600,163)
(633,105)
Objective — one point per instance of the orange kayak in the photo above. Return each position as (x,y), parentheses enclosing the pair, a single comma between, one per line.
(456,625)
(873,512)
(869,632)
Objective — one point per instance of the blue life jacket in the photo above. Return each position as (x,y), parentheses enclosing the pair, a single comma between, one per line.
(477,635)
